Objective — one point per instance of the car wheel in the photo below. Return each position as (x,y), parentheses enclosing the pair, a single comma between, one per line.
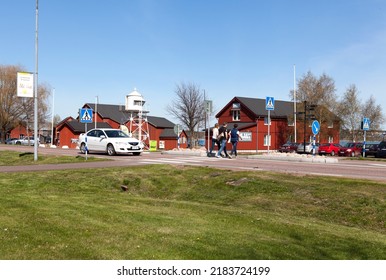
(110,150)
(83,148)
(332,153)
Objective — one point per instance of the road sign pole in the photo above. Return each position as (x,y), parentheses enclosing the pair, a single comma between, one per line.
(313,145)
(365,127)
(269,105)
(269,129)
(85,131)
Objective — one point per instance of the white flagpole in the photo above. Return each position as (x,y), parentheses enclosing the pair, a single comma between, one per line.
(52,118)
(96,110)
(295,104)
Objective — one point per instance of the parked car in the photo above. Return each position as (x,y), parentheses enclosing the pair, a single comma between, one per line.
(309,148)
(110,141)
(11,141)
(351,149)
(28,141)
(381,151)
(289,147)
(371,149)
(329,149)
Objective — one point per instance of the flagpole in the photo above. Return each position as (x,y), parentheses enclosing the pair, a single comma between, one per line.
(52,118)
(295,134)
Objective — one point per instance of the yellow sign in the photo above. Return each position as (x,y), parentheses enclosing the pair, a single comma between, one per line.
(25,84)
(153,145)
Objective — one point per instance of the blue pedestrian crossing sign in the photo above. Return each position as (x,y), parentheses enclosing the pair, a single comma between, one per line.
(85,115)
(315,127)
(366,124)
(269,103)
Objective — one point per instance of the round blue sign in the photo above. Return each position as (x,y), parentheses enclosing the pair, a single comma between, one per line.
(315,127)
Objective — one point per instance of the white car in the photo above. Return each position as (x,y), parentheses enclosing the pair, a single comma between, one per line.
(29,141)
(110,141)
(309,148)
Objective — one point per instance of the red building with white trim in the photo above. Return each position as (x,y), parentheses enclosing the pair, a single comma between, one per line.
(252,118)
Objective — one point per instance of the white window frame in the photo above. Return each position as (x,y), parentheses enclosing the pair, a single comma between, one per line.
(236,115)
(266,137)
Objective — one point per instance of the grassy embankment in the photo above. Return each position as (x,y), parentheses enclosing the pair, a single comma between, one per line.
(184,212)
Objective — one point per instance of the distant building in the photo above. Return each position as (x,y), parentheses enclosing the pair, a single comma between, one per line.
(160,129)
(252,118)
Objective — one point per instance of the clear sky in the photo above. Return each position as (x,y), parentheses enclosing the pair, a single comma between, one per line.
(90,48)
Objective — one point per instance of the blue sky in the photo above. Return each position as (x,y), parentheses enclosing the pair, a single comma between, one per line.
(90,48)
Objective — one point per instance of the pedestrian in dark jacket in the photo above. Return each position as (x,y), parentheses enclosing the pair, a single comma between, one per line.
(235,137)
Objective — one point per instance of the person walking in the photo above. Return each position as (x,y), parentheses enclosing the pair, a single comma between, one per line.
(214,139)
(235,137)
(223,137)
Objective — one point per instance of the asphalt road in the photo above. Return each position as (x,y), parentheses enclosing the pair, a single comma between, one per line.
(372,170)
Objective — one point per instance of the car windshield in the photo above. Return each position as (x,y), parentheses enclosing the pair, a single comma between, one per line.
(115,133)
(350,145)
(325,145)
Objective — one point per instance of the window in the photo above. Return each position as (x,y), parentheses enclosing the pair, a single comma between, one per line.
(330,124)
(236,106)
(267,140)
(138,103)
(235,115)
(330,139)
(266,121)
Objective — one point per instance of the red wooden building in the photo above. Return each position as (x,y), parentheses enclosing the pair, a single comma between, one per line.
(159,129)
(252,118)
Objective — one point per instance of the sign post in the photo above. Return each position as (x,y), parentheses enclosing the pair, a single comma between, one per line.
(315,131)
(177,131)
(208,112)
(365,127)
(269,106)
(85,116)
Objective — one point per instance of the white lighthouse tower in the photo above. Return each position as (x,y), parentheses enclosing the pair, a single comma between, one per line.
(139,127)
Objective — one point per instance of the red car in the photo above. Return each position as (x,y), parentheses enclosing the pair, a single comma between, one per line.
(329,149)
(351,149)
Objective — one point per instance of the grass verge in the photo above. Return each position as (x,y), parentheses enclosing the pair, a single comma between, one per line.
(13,158)
(170,212)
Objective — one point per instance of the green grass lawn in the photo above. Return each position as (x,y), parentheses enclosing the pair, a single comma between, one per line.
(171,212)
(12,158)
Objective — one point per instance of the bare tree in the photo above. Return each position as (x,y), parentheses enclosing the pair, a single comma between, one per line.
(188,107)
(373,111)
(350,112)
(16,110)
(320,92)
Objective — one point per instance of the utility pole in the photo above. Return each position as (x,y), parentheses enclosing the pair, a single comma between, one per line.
(307,116)
(36,135)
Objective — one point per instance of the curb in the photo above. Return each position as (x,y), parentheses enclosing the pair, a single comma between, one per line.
(317,159)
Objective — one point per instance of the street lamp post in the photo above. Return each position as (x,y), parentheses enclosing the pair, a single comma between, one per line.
(36,84)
